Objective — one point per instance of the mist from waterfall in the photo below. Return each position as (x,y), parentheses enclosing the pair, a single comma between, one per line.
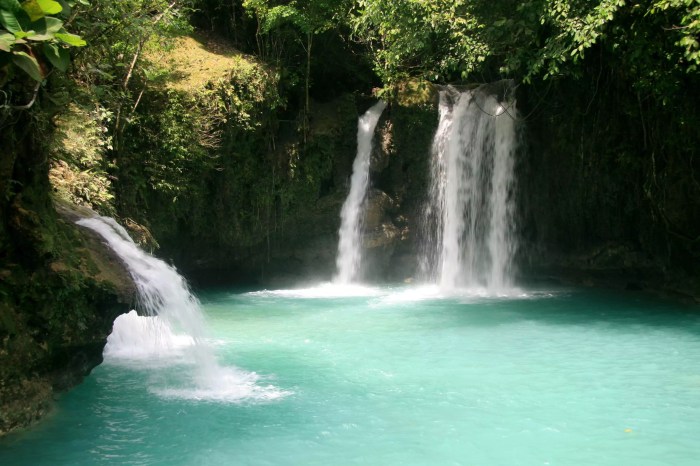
(469,219)
(349,258)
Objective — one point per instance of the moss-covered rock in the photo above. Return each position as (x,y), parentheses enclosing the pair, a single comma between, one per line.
(60,288)
(56,310)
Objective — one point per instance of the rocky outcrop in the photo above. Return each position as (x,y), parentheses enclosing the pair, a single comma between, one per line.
(59,296)
(398,176)
(299,238)
(607,190)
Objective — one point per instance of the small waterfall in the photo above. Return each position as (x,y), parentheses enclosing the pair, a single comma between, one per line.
(349,245)
(469,219)
(171,311)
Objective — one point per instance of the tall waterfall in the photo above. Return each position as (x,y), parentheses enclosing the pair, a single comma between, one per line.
(173,325)
(350,242)
(469,218)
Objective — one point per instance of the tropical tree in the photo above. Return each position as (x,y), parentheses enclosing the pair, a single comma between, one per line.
(309,18)
(447,40)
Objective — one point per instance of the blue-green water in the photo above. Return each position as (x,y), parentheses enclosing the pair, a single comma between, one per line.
(395,378)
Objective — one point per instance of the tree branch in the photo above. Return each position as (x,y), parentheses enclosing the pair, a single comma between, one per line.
(29,105)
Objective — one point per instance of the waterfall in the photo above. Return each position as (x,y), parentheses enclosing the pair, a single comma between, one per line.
(469,236)
(349,255)
(171,311)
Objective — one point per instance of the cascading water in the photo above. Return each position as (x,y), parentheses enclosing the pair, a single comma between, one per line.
(469,219)
(171,310)
(349,255)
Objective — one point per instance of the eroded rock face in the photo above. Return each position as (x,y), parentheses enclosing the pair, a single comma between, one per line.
(60,296)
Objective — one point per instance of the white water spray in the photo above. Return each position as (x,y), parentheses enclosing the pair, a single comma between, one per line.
(469,219)
(349,256)
(171,311)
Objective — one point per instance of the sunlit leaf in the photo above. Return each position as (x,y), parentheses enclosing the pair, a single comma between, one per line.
(37,9)
(50,7)
(6,42)
(40,37)
(33,9)
(71,39)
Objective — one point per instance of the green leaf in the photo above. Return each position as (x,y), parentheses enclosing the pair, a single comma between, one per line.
(50,7)
(47,25)
(53,25)
(10,5)
(40,37)
(71,39)
(33,9)
(28,64)
(9,21)
(57,56)
(6,42)
(37,9)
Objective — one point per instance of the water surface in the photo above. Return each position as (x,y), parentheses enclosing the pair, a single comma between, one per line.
(401,376)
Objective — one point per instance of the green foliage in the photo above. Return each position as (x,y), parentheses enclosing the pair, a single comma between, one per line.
(115,68)
(79,166)
(534,39)
(199,154)
(574,27)
(685,26)
(32,39)
(311,17)
(429,39)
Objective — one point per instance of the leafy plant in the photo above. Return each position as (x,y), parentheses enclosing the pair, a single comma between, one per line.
(33,39)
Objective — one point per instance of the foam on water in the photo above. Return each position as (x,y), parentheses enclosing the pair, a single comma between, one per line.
(146,338)
(397,294)
(463,295)
(323,290)
(232,385)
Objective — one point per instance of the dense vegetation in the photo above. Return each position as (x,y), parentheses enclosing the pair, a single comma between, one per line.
(222,132)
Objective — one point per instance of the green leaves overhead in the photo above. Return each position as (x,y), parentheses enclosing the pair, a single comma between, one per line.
(311,17)
(686,26)
(35,39)
(434,39)
(527,39)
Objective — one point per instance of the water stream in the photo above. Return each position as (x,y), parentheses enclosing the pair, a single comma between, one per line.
(348,261)
(469,236)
